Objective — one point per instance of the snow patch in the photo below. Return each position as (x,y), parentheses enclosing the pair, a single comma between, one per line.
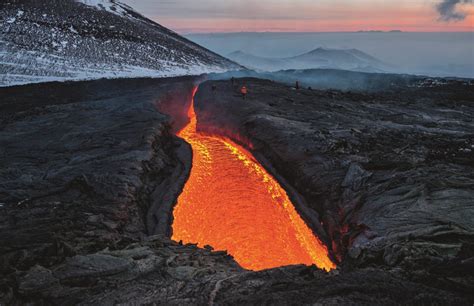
(110,73)
(107,5)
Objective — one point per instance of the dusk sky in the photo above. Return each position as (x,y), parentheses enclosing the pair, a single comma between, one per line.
(188,16)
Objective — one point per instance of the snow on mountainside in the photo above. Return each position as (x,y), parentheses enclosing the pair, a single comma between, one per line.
(111,6)
(345,59)
(89,39)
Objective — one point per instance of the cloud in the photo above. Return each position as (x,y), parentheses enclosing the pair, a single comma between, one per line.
(447,10)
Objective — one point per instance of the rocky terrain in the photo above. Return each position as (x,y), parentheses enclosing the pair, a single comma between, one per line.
(57,40)
(389,175)
(90,171)
(80,164)
(348,80)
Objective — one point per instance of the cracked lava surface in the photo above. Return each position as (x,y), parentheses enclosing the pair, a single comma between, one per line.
(232,203)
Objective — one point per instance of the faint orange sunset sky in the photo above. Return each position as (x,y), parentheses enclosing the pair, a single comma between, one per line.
(188,16)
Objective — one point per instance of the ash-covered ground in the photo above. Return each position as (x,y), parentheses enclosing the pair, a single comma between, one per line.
(90,172)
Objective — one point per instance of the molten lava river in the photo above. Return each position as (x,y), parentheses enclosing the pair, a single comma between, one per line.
(232,203)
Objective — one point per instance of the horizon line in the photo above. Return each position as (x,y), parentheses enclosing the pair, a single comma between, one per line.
(184,32)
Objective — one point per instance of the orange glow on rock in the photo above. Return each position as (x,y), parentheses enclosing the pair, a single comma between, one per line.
(232,203)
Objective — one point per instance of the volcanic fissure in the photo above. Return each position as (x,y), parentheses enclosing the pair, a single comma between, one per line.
(232,203)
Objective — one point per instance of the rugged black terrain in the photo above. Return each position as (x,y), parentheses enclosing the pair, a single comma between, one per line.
(390,175)
(89,173)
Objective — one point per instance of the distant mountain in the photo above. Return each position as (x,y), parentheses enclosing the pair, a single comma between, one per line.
(345,59)
(379,31)
(87,39)
(257,62)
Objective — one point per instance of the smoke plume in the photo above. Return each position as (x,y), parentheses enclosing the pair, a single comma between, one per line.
(447,10)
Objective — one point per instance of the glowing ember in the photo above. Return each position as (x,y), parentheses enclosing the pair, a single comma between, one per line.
(231,203)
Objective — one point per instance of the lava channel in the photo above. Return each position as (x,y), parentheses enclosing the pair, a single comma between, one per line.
(232,203)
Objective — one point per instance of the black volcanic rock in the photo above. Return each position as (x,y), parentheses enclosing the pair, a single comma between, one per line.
(89,172)
(78,171)
(390,175)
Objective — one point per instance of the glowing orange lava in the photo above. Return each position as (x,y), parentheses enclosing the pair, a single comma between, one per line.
(231,203)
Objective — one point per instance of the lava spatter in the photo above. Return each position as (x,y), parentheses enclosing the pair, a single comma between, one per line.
(232,203)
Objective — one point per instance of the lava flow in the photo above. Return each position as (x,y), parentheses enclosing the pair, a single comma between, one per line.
(232,203)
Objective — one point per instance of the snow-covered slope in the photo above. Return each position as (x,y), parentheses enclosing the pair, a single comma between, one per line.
(111,6)
(345,59)
(87,39)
